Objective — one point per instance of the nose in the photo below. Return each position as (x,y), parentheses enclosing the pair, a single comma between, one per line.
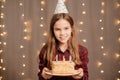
(62,32)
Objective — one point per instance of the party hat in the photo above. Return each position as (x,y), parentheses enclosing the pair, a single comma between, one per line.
(60,8)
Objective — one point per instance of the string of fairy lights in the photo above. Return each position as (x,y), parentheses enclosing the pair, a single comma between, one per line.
(3,37)
(42,15)
(101,37)
(117,24)
(26,26)
(42,21)
(82,22)
(21,5)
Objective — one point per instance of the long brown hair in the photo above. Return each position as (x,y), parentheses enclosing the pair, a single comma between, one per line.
(52,42)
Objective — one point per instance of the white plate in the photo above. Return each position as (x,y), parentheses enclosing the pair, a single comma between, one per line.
(49,73)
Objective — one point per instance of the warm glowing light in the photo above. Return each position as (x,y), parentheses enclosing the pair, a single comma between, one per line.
(25,38)
(25,23)
(1,77)
(83,12)
(102,71)
(119,39)
(2,14)
(3,34)
(4,43)
(102,28)
(1,60)
(21,4)
(1,51)
(101,38)
(41,9)
(119,71)
(25,30)
(100,20)
(45,33)
(81,30)
(118,78)
(4,1)
(117,22)
(23,56)
(104,54)
(64,0)
(43,44)
(103,3)
(102,47)
(24,65)
(42,2)
(41,25)
(84,40)
(21,46)
(81,22)
(0,67)
(22,73)
(118,5)
(4,68)
(99,64)
(2,6)
(102,11)
(41,18)
(83,4)
(2,26)
(23,15)
(119,29)
(117,55)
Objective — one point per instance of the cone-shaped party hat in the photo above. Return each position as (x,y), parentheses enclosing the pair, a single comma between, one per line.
(60,8)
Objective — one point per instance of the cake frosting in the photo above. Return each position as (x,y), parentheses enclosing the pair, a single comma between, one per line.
(63,67)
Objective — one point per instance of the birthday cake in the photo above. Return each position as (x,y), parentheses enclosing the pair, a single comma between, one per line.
(63,67)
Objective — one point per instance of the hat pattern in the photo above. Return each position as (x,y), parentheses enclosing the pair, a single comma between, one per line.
(60,8)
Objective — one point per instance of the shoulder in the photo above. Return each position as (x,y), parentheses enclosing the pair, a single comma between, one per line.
(82,48)
(43,50)
(44,47)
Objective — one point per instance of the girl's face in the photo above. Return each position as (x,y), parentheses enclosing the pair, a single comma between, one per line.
(62,31)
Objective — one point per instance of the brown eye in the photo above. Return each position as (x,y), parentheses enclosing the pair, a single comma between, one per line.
(66,28)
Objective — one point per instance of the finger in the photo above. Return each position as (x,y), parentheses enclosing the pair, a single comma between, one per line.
(81,74)
(80,70)
(46,69)
(76,77)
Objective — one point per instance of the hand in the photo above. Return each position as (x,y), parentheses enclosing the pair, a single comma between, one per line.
(46,76)
(80,75)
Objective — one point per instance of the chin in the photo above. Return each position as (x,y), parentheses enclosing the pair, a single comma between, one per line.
(63,42)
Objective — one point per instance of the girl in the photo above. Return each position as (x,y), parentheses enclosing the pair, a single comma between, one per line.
(62,42)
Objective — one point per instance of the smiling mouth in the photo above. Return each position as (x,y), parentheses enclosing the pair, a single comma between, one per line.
(62,38)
